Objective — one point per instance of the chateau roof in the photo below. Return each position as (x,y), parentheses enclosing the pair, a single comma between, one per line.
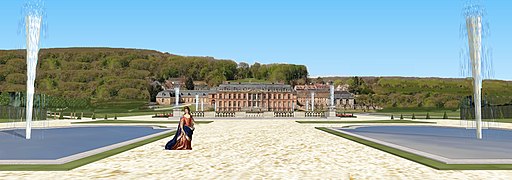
(193,93)
(165,94)
(343,95)
(255,87)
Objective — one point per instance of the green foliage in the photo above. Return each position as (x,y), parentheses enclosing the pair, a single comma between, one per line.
(392,117)
(401,116)
(428,116)
(445,116)
(405,92)
(61,116)
(103,74)
(4,99)
(93,116)
(115,116)
(189,83)
(358,86)
(413,117)
(106,117)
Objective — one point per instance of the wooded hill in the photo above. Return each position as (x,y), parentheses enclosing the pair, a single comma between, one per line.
(413,92)
(105,74)
(111,73)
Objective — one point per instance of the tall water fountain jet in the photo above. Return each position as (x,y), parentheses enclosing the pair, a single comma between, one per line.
(33,14)
(474,27)
(476,55)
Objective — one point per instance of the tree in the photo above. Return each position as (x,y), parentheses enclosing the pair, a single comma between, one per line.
(255,70)
(189,83)
(154,89)
(243,71)
(319,80)
(215,78)
(4,99)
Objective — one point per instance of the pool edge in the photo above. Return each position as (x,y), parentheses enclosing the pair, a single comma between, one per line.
(417,158)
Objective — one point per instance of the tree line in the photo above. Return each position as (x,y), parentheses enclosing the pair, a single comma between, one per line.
(103,74)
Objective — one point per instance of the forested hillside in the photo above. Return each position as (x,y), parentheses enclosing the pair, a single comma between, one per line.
(411,92)
(110,73)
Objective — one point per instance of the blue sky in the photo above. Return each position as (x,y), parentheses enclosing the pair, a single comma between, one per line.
(331,37)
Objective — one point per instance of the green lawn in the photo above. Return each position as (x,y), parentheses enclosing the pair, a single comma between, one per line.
(420,159)
(134,122)
(363,122)
(419,113)
(117,108)
(80,162)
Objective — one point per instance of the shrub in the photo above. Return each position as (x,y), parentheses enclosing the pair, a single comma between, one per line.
(413,117)
(115,116)
(445,116)
(428,116)
(106,117)
(401,116)
(392,116)
(93,116)
(61,116)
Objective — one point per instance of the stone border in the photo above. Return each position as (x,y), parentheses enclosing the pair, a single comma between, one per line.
(85,154)
(425,154)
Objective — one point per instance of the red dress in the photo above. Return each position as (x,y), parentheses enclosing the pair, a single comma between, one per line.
(184,140)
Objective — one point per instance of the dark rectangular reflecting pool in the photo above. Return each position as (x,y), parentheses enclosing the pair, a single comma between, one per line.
(55,143)
(448,142)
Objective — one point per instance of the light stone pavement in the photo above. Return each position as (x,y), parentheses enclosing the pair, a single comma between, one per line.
(258,149)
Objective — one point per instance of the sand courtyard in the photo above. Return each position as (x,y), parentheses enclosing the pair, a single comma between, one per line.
(258,149)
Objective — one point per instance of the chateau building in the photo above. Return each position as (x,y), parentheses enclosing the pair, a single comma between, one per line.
(254,97)
(322,97)
(230,97)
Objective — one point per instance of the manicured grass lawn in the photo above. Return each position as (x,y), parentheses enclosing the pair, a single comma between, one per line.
(499,120)
(121,109)
(419,113)
(83,161)
(363,122)
(134,122)
(420,159)
(116,108)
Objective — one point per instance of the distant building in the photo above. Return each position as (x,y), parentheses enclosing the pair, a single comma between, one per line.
(344,100)
(237,97)
(165,97)
(322,96)
(254,97)
(259,97)
(189,96)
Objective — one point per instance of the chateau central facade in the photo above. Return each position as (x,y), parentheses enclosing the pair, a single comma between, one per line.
(254,97)
(257,97)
